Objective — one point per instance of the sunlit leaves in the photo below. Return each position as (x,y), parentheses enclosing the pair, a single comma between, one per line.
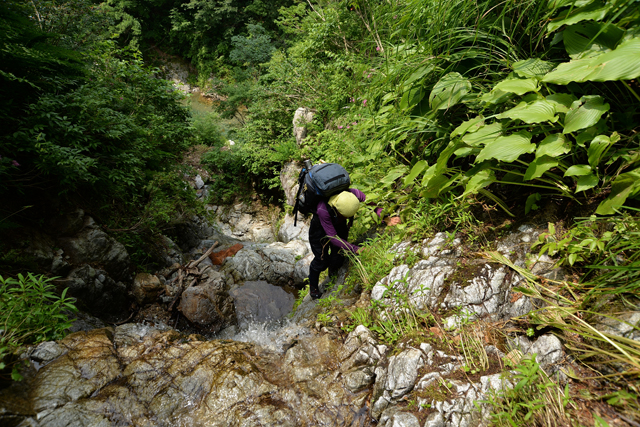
(584,113)
(623,63)
(578,170)
(449,90)
(625,185)
(517,86)
(591,11)
(484,135)
(586,182)
(507,148)
(532,68)
(415,171)
(599,146)
(533,112)
(589,38)
(539,166)
(479,180)
(553,145)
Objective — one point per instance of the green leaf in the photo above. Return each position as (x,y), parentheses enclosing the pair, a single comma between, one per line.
(595,11)
(561,101)
(554,145)
(484,135)
(479,180)
(533,112)
(448,91)
(582,116)
(434,186)
(496,97)
(539,166)
(517,86)
(412,97)
(625,185)
(530,204)
(393,175)
(586,182)
(623,63)
(578,170)
(599,146)
(507,148)
(532,68)
(469,126)
(415,171)
(589,38)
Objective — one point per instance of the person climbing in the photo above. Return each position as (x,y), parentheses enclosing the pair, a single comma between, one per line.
(329,232)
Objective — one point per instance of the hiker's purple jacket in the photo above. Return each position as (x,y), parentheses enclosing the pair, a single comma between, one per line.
(322,210)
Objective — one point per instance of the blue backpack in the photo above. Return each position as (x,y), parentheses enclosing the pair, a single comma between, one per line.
(316,183)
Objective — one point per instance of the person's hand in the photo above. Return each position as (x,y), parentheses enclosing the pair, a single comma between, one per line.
(393,221)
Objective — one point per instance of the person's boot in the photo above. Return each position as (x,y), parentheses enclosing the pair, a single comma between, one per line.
(314,290)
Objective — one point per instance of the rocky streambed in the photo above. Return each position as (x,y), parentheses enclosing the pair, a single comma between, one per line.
(252,364)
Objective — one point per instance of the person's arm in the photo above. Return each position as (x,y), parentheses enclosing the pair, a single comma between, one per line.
(330,231)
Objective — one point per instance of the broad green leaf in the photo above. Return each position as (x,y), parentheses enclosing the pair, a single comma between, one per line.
(483,135)
(595,11)
(533,112)
(468,126)
(495,97)
(507,148)
(578,170)
(479,180)
(420,73)
(448,91)
(530,204)
(554,145)
(561,101)
(517,86)
(625,185)
(394,174)
(582,116)
(623,63)
(599,146)
(415,171)
(412,97)
(430,173)
(589,38)
(532,68)
(586,136)
(586,182)
(554,4)
(466,151)
(539,166)
(434,186)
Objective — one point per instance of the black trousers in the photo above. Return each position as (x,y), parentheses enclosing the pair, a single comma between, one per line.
(325,254)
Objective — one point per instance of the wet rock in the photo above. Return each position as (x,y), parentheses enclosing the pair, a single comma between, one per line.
(301,118)
(247,264)
(289,180)
(146,288)
(46,352)
(359,355)
(399,379)
(259,301)
(93,246)
(209,304)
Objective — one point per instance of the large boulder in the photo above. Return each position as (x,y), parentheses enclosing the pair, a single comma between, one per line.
(145,288)
(96,291)
(209,304)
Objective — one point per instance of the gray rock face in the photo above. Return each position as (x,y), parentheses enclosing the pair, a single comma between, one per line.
(627,326)
(97,292)
(289,180)
(399,379)
(94,246)
(245,222)
(277,263)
(260,302)
(288,232)
(301,118)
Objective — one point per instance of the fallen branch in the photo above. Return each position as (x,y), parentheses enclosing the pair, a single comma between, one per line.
(191,270)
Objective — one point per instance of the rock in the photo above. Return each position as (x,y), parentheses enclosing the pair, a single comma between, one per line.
(217,258)
(301,269)
(190,233)
(301,118)
(209,304)
(67,225)
(199,182)
(97,292)
(359,355)
(400,379)
(146,288)
(169,252)
(259,301)
(623,325)
(289,180)
(246,222)
(280,260)
(247,264)
(46,352)
(548,351)
(93,246)
(394,417)
(434,419)
(288,232)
